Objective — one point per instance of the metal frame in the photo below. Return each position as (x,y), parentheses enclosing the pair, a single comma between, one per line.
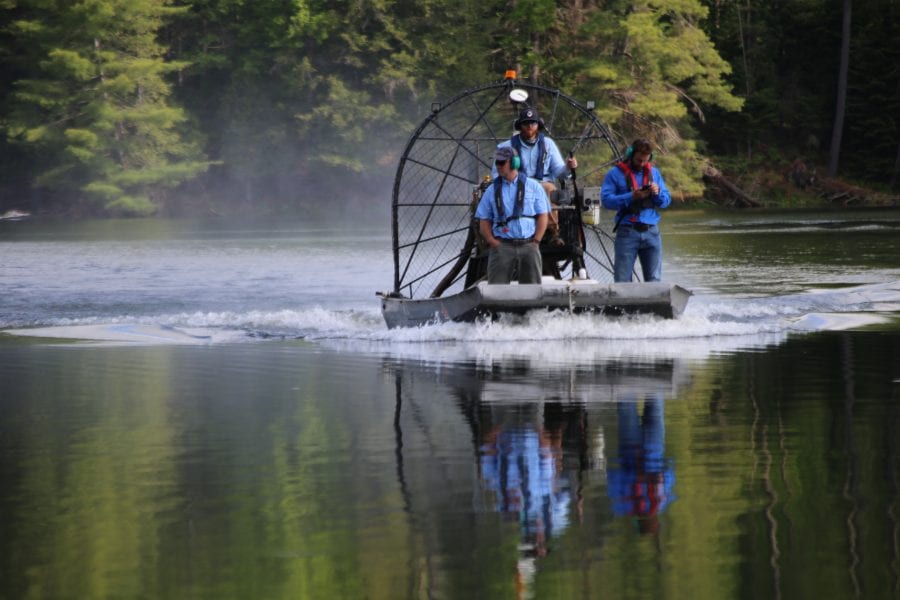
(593,129)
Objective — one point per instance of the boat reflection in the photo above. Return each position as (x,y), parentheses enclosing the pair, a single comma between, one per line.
(539,441)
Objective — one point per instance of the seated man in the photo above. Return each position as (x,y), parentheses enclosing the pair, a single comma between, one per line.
(540,157)
(513,218)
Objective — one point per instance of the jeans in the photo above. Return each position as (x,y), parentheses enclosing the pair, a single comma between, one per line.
(644,245)
(642,439)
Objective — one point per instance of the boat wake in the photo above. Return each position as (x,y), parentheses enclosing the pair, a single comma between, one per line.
(715,320)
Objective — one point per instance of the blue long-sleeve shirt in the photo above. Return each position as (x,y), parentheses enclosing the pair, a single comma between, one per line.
(615,195)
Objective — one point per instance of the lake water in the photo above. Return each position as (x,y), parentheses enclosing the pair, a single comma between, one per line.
(211,410)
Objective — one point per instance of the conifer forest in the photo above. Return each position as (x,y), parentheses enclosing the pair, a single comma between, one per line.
(179,107)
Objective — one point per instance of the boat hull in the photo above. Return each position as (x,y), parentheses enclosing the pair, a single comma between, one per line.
(666,300)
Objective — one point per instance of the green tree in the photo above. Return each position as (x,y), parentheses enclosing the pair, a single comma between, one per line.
(871,143)
(837,131)
(93,109)
(310,99)
(785,64)
(653,70)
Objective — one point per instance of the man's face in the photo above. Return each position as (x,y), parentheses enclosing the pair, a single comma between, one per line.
(502,167)
(639,159)
(529,130)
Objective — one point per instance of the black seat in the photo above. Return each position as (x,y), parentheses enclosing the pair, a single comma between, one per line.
(557,257)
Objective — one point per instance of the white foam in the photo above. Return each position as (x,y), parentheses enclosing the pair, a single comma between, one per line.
(707,317)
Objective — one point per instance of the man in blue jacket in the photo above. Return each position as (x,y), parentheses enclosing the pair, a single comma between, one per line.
(513,218)
(635,188)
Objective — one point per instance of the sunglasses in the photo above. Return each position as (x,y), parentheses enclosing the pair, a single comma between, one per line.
(500,163)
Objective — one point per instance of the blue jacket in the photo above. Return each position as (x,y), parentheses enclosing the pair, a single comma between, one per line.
(616,195)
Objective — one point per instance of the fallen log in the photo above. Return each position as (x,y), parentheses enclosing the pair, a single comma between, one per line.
(839,192)
(713,176)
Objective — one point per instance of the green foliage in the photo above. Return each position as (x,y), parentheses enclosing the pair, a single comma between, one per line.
(111,103)
(346,117)
(311,91)
(94,107)
(653,70)
(785,57)
(872,132)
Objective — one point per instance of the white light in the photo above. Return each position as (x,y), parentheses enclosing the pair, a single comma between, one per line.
(518,95)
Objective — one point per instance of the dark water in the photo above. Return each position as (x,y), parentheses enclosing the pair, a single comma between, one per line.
(288,445)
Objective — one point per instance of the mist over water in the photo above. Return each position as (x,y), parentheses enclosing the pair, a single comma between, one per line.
(754,278)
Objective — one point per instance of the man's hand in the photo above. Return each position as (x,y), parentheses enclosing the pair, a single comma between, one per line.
(485,228)
(572,162)
(641,199)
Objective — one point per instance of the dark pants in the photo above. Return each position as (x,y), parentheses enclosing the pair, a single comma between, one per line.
(508,258)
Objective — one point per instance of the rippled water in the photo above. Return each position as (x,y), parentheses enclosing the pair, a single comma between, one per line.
(240,423)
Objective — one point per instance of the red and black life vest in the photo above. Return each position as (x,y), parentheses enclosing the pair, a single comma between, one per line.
(631,179)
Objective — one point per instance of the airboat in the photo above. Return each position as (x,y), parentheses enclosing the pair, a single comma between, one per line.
(440,260)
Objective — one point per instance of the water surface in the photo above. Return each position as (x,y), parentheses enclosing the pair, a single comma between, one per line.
(255,431)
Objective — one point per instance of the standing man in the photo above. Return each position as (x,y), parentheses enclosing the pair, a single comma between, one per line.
(540,156)
(513,219)
(635,188)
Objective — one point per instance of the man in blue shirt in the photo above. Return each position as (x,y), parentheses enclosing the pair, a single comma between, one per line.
(513,218)
(635,188)
(540,157)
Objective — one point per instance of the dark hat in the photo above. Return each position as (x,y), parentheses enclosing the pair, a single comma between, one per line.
(504,153)
(529,114)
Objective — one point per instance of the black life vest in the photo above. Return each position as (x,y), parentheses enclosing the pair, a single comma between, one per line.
(516,142)
(501,219)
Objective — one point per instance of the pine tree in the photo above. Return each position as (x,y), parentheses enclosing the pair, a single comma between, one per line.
(649,66)
(93,108)
(303,99)
(871,147)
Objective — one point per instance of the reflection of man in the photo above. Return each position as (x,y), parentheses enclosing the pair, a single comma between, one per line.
(641,485)
(522,467)
(520,461)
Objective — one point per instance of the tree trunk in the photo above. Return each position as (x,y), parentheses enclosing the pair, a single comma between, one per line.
(840,106)
(715,177)
(896,171)
(747,88)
